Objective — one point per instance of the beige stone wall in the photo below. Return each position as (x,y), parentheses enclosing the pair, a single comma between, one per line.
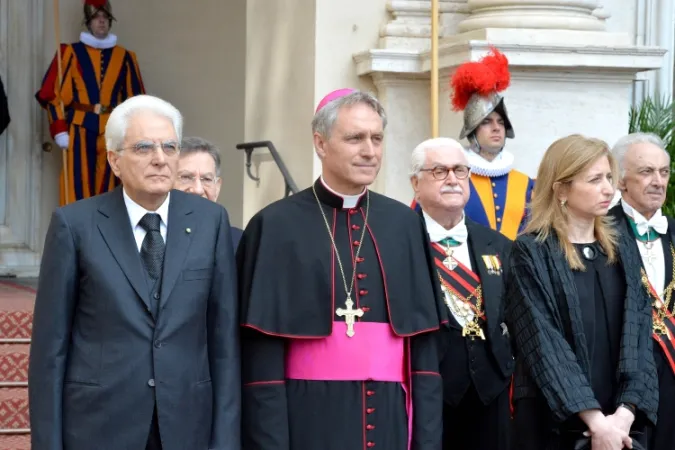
(298,51)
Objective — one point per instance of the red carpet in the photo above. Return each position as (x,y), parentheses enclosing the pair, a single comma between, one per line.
(16,320)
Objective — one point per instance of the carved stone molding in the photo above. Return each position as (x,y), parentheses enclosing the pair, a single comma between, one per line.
(410,24)
(534,14)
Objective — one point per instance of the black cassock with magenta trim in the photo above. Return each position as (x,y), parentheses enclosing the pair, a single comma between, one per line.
(307,385)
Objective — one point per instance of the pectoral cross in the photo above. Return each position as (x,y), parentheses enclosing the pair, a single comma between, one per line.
(349,315)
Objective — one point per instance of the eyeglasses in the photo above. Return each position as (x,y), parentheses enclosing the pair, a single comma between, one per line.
(145,148)
(208,181)
(442,172)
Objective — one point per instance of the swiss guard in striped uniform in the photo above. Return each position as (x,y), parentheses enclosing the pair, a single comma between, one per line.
(96,75)
(499,193)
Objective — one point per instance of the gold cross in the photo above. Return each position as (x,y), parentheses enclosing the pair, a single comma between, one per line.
(349,315)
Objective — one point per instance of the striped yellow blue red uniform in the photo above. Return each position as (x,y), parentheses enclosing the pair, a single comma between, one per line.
(499,202)
(91,76)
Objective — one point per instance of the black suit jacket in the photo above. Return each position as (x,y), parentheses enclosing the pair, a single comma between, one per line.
(622,225)
(544,316)
(497,370)
(236,237)
(100,361)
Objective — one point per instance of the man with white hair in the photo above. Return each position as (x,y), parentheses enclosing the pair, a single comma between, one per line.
(340,305)
(470,263)
(644,174)
(135,336)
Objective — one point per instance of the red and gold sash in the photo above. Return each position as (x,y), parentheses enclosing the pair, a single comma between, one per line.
(663,323)
(461,281)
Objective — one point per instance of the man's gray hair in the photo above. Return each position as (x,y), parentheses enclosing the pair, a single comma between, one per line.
(624,144)
(118,122)
(419,154)
(191,145)
(325,118)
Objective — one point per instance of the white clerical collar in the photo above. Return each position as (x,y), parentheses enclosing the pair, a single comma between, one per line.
(92,41)
(136,211)
(437,232)
(348,201)
(501,165)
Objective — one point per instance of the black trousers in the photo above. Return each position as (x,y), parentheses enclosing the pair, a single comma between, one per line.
(154,441)
(663,437)
(471,425)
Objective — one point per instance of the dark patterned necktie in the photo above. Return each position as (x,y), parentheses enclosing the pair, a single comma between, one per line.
(152,249)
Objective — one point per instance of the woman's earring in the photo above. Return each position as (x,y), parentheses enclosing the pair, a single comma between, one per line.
(562,203)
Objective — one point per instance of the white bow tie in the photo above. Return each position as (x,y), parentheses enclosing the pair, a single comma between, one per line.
(459,233)
(658,223)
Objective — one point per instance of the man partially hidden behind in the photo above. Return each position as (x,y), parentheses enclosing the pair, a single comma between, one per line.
(340,305)
(471,260)
(645,171)
(499,194)
(135,337)
(97,75)
(199,173)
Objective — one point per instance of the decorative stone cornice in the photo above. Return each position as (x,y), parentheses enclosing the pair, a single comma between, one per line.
(535,49)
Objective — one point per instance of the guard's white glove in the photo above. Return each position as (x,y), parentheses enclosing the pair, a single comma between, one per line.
(61,139)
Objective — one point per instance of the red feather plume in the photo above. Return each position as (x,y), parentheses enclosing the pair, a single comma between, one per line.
(490,74)
(95,3)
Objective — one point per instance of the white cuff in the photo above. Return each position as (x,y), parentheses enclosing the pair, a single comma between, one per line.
(61,139)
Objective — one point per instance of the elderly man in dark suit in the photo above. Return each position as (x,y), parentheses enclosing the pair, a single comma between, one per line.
(135,333)
(199,173)
(645,172)
(470,261)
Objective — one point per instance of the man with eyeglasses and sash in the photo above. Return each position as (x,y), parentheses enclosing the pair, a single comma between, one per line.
(470,263)
(199,173)
(79,92)
(644,174)
(499,193)
(340,307)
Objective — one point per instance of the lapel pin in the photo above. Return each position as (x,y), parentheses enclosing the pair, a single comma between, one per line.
(188,231)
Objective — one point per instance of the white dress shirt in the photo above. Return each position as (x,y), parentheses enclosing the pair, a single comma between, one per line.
(652,258)
(136,213)
(460,253)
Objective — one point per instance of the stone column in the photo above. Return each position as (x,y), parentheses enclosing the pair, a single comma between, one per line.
(534,14)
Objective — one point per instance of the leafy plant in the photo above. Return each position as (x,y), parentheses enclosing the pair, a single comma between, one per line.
(658,116)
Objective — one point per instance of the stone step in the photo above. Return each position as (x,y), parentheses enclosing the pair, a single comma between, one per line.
(14,442)
(14,364)
(14,410)
(16,313)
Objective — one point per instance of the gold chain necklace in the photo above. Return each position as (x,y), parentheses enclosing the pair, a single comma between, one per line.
(662,307)
(472,327)
(348,313)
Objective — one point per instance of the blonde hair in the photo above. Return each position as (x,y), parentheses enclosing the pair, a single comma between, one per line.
(563,161)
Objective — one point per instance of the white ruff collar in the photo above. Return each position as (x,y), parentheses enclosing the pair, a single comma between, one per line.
(499,166)
(92,41)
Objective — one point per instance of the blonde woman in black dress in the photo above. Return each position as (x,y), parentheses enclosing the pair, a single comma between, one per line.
(585,375)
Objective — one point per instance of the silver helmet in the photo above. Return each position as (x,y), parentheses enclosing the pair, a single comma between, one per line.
(479,107)
(476,87)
